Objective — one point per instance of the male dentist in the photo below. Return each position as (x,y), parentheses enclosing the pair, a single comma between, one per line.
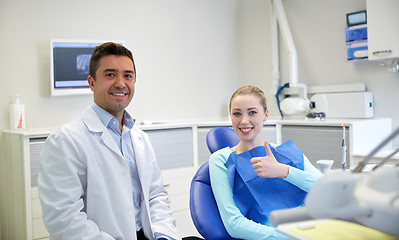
(99,178)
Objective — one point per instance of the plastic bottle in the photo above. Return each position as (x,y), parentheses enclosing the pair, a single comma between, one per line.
(17,114)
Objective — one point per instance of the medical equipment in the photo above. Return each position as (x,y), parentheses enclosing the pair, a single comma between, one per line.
(343,148)
(356,42)
(357,50)
(392,66)
(356,18)
(356,33)
(370,199)
(289,105)
(294,105)
(320,115)
(325,165)
(338,88)
(344,104)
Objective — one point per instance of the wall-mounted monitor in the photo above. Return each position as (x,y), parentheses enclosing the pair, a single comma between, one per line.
(69,65)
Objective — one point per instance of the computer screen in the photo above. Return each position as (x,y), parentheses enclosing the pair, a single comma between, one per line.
(69,65)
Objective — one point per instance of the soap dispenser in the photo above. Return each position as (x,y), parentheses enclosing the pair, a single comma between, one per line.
(17,114)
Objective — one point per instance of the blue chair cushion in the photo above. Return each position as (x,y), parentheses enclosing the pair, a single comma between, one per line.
(203,208)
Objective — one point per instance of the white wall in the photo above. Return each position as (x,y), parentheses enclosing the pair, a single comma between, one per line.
(190,54)
(185,52)
(318,31)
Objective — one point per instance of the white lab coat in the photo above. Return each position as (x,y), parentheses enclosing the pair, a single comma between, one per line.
(85,188)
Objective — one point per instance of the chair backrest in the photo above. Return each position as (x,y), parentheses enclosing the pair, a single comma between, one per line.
(203,207)
(221,137)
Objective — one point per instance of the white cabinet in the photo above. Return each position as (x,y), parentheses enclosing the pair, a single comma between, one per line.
(323,139)
(21,213)
(318,142)
(383,35)
(39,230)
(173,147)
(20,198)
(177,183)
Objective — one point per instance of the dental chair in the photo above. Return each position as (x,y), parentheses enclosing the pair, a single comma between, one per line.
(203,208)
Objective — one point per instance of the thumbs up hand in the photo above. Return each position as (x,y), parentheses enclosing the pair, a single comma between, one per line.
(268,167)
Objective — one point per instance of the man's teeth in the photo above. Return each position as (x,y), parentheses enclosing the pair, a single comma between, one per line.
(246,129)
(119,94)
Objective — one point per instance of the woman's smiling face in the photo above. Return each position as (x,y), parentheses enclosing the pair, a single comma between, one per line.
(247,117)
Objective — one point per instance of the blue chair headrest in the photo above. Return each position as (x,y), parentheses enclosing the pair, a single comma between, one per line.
(221,137)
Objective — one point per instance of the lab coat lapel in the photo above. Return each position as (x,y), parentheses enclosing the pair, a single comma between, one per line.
(140,158)
(144,175)
(94,125)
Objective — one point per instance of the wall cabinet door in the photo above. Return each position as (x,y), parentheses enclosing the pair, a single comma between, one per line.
(318,142)
(173,147)
(177,183)
(383,35)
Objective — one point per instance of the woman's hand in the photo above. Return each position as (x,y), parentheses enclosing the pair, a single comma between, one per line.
(268,167)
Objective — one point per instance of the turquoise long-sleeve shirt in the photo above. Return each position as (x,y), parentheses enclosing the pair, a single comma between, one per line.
(236,224)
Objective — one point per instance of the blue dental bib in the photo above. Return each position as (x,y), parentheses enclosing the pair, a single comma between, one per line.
(255,196)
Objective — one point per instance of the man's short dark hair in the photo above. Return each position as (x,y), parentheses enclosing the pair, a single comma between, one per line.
(105,49)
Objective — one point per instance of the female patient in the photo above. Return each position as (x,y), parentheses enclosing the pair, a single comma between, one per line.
(253,178)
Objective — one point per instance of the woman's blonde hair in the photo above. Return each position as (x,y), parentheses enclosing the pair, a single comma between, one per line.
(248,90)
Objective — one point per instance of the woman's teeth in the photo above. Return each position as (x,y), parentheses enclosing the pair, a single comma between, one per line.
(246,129)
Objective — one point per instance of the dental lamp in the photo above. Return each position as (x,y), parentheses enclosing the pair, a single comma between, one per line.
(289,105)
(295,105)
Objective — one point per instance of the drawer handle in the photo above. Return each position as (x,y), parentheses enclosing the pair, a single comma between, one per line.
(382,53)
